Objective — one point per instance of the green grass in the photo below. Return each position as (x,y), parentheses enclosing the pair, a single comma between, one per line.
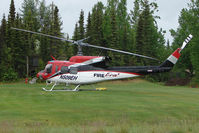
(134,106)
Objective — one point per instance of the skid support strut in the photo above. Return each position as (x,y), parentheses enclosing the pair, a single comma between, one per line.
(52,88)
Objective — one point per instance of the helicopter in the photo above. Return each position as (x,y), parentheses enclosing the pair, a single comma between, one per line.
(80,70)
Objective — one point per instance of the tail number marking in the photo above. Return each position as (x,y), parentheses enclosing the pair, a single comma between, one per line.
(66,77)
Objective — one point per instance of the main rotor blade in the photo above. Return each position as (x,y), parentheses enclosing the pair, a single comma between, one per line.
(82,39)
(119,51)
(42,34)
(80,43)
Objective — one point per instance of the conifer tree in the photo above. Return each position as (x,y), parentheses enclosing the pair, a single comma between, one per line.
(69,49)
(113,25)
(10,37)
(57,45)
(124,31)
(30,19)
(76,37)
(88,34)
(94,28)
(19,58)
(81,25)
(3,46)
(135,13)
(45,22)
(96,24)
(12,12)
(114,36)
(106,26)
(188,24)
(134,16)
(147,34)
(123,25)
(76,33)
(11,22)
(7,71)
(88,26)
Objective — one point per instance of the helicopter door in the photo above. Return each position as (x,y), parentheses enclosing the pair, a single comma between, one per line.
(73,76)
(73,70)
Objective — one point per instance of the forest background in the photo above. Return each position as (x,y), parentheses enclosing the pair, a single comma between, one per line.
(108,25)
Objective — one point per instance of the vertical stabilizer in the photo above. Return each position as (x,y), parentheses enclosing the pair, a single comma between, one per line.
(173,58)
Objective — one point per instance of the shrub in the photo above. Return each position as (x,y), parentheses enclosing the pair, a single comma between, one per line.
(9,75)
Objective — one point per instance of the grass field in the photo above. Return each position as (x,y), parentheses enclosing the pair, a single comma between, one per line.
(133,106)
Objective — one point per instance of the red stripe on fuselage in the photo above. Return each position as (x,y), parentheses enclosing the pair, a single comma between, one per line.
(111,71)
(102,71)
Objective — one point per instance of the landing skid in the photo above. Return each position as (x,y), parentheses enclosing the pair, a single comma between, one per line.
(52,88)
(75,89)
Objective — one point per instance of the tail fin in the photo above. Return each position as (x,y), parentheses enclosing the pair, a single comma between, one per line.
(173,58)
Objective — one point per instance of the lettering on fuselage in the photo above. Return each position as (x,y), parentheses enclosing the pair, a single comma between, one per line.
(66,77)
(98,75)
(109,74)
(112,74)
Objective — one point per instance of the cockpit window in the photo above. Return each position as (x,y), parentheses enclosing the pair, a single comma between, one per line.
(48,68)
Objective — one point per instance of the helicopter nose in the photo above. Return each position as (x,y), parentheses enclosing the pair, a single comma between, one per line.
(40,75)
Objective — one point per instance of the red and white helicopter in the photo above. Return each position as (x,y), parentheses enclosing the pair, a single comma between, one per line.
(80,70)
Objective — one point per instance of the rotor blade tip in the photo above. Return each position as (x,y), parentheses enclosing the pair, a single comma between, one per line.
(191,36)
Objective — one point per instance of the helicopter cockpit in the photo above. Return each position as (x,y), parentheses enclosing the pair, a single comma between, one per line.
(43,74)
(48,68)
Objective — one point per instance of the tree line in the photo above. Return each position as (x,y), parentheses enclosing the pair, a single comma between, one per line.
(109,25)
(112,26)
(18,49)
(188,24)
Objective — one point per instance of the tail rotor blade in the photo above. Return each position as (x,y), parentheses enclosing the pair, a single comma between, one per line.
(187,40)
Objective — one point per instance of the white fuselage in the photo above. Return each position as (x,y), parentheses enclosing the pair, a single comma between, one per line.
(87,77)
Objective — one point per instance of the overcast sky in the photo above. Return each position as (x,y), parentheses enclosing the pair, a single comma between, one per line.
(169,11)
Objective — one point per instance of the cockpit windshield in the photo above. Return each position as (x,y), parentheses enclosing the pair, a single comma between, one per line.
(48,68)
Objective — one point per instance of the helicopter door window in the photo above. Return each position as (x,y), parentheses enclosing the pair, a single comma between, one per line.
(73,70)
(56,70)
(48,68)
(64,69)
